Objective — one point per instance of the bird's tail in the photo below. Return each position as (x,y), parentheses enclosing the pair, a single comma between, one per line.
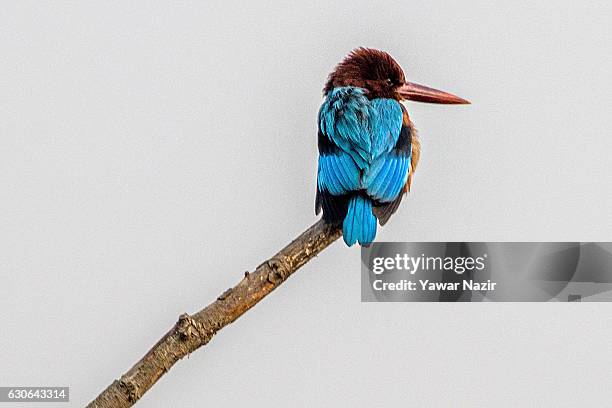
(360,223)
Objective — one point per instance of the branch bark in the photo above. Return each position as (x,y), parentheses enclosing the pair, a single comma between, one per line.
(194,331)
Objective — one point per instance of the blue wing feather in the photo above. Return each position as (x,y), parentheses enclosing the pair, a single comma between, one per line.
(345,118)
(338,174)
(387,175)
(396,181)
(386,125)
(387,179)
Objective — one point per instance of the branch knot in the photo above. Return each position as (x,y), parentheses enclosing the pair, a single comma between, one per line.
(187,327)
(279,271)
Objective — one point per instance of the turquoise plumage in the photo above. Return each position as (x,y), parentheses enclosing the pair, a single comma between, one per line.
(361,164)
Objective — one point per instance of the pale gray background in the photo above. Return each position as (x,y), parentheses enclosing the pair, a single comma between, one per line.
(151,153)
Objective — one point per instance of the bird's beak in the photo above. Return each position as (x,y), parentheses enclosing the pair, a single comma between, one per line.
(421,93)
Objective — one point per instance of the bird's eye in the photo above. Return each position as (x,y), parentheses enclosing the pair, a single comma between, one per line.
(389,81)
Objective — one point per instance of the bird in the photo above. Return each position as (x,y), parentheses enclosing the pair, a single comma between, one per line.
(368,146)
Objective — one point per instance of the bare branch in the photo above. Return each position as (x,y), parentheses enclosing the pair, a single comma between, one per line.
(194,331)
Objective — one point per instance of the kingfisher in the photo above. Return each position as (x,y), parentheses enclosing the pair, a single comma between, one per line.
(368,146)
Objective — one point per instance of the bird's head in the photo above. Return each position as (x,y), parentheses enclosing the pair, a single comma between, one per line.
(382,77)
